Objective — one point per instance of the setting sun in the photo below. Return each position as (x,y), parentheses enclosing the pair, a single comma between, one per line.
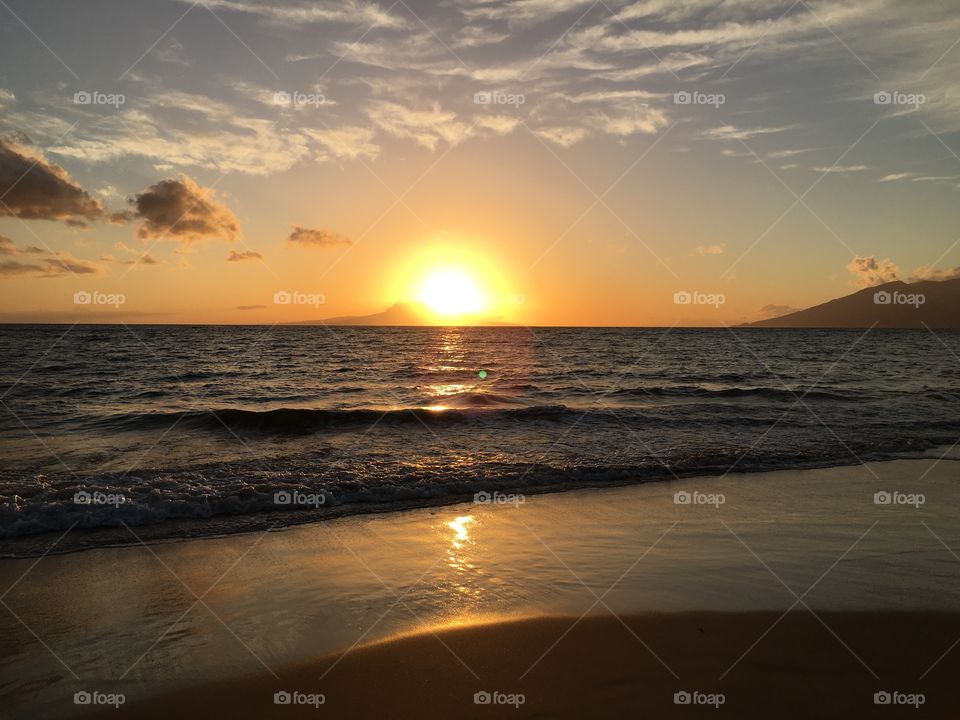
(451,292)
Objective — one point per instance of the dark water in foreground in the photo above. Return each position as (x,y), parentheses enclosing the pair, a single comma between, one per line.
(195,430)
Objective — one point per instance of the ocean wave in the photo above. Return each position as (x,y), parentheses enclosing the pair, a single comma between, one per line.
(243,497)
(300,420)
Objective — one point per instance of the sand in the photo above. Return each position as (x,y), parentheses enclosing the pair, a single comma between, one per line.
(807,666)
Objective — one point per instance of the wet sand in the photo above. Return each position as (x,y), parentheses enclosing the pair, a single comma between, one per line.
(806,666)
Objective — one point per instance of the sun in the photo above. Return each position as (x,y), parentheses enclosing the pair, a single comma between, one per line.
(451,292)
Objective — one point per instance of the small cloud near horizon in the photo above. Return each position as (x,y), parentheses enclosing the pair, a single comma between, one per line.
(235,256)
(251,307)
(316,237)
(50,264)
(774,311)
(868,271)
(717,249)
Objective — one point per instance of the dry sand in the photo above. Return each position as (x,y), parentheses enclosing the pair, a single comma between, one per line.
(806,666)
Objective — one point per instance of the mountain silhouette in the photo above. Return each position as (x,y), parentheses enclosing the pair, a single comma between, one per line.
(930,303)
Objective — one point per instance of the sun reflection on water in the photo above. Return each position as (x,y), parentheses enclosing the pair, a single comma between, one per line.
(459,526)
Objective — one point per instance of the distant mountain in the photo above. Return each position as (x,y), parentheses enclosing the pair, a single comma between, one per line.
(397,314)
(893,305)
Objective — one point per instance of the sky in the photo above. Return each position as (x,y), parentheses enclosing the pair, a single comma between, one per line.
(647,162)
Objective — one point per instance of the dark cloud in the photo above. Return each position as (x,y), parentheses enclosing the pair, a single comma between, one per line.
(248,255)
(144,259)
(56,265)
(868,271)
(251,307)
(316,238)
(182,210)
(53,264)
(31,188)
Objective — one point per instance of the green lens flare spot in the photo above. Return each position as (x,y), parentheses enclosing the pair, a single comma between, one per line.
(483,374)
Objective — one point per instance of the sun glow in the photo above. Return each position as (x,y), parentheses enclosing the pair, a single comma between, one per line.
(452,292)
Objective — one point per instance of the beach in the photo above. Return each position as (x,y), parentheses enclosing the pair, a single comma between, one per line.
(241,617)
(653,665)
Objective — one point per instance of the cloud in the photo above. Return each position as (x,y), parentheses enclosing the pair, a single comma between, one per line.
(251,307)
(425,127)
(840,169)
(893,177)
(51,265)
(562,136)
(240,256)
(32,188)
(868,271)
(730,132)
(143,259)
(184,211)
(717,249)
(774,311)
(181,129)
(354,13)
(316,238)
(925,272)
(345,142)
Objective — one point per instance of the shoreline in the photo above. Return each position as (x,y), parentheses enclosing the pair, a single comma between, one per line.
(178,530)
(752,665)
(129,618)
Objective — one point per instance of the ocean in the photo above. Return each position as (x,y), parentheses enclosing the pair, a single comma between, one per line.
(129,433)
